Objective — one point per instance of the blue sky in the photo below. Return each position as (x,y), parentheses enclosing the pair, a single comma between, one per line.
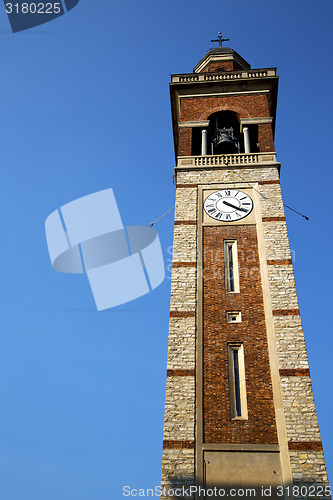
(85,106)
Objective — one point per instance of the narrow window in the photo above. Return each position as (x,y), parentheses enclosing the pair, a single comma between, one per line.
(231,266)
(237,386)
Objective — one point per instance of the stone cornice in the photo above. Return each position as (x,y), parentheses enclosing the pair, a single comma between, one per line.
(202,123)
(249,74)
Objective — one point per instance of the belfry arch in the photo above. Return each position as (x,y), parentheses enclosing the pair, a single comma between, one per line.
(223,133)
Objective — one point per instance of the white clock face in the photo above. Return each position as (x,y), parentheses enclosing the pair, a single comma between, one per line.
(228,205)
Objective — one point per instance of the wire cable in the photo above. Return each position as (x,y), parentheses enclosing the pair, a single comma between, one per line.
(265,197)
(151,225)
(251,186)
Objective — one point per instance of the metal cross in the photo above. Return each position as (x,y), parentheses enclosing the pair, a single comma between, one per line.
(221,39)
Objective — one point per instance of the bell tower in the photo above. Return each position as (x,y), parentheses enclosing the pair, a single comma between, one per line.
(239,410)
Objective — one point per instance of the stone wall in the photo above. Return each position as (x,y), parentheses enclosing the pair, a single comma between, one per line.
(177,471)
(179,419)
(300,411)
(181,350)
(307,461)
(290,342)
(179,405)
(309,469)
(183,289)
(185,243)
(276,239)
(282,286)
(186,207)
(226,175)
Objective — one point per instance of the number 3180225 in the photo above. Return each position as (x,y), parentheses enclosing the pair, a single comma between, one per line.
(33,8)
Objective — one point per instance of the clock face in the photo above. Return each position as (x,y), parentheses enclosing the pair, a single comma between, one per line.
(228,205)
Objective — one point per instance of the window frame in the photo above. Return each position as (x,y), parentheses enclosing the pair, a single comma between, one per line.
(231,273)
(233,314)
(237,382)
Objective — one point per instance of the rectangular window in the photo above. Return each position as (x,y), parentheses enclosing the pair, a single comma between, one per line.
(231,266)
(237,385)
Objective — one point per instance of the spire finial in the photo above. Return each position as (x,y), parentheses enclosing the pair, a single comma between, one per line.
(220,40)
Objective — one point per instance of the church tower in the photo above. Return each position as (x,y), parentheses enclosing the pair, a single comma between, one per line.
(239,410)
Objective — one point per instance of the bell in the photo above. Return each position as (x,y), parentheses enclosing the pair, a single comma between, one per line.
(224,136)
(225,141)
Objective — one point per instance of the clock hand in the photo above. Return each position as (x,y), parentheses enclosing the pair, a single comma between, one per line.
(233,206)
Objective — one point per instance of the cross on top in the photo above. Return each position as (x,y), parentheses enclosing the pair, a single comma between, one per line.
(220,39)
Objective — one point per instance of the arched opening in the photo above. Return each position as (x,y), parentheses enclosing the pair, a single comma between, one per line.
(224,133)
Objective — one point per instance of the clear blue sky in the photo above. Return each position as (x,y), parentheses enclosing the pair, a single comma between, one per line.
(85,106)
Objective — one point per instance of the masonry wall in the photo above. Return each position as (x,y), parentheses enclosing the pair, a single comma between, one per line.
(305,447)
(246,106)
(221,66)
(260,426)
(178,467)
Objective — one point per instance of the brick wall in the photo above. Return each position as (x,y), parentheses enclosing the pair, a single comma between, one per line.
(246,106)
(265,137)
(185,142)
(218,426)
(221,66)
